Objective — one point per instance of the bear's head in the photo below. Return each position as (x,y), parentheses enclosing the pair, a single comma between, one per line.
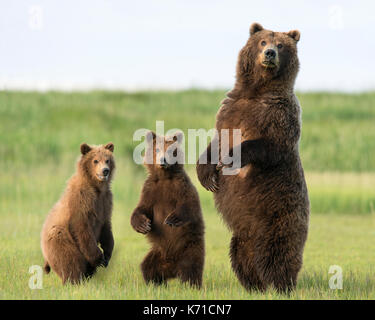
(268,56)
(97,163)
(164,152)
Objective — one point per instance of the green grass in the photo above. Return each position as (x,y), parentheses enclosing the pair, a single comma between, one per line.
(40,136)
(338,129)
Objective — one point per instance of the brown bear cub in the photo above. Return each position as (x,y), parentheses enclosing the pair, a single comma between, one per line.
(169,213)
(81,219)
(266,203)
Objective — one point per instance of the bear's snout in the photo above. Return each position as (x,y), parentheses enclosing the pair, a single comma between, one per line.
(163,162)
(270,54)
(269,57)
(105,172)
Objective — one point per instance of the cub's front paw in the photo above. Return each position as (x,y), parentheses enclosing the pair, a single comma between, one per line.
(208,176)
(105,261)
(174,221)
(99,260)
(232,160)
(141,224)
(226,161)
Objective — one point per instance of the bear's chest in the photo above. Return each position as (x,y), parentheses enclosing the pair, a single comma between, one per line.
(162,209)
(165,201)
(98,216)
(240,119)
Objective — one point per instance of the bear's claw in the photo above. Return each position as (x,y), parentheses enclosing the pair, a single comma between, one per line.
(105,262)
(143,227)
(174,221)
(208,176)
(211,184)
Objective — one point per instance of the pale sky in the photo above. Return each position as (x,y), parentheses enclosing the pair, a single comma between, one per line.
(133,45)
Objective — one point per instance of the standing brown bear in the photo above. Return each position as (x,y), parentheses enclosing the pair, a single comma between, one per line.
(266,204)
(169,213)
(82,218)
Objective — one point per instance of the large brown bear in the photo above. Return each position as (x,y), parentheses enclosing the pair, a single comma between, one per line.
(169,213)
(81,219)
(266,204)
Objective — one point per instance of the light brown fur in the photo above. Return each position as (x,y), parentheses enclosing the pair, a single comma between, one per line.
(81,219)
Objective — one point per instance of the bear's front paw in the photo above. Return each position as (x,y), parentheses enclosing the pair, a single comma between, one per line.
(208,176)
(221,165)
(232,160)
(141,224)
(105,261)
(98,261)
(226,161)
(174,221)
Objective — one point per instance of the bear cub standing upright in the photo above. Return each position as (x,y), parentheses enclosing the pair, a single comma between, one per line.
(82,218)
(169,213)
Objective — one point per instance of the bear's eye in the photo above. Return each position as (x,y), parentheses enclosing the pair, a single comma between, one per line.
(279,45)
(157,150)
(96,161)
(263,43)
(107,161)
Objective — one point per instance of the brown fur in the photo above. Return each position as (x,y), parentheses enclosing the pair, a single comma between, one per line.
(169,213)
(266,205)
(81,219)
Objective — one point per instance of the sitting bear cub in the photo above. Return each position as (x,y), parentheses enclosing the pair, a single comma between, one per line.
(169,213)
(81,219)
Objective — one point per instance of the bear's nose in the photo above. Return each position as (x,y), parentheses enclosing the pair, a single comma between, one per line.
(162,161)
(105,172)
(270,54)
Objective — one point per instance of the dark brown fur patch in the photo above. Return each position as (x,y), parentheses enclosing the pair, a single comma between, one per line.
(169,212)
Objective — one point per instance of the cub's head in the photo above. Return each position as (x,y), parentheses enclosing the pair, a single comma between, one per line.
(269,55)
(97,163)
(164,152)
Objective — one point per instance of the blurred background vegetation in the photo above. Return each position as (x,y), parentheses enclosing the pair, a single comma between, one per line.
(45,129)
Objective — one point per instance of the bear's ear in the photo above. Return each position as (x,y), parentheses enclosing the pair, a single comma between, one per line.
(178,136)
(255,27)
(150,136)
(85,148)
(110,146)
(294,34)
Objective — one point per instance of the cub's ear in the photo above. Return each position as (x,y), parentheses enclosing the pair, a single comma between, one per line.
(110,146)
(255,27)
(85,148)
(150,136)
(178,136)
(294,34)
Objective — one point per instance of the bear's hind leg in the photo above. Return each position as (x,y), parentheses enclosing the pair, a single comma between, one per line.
(64,257)
(190,266)
(72,267)
(279,269)
(243,264)
(152,268)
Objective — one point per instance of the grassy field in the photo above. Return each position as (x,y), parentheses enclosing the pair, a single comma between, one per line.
(40,134)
